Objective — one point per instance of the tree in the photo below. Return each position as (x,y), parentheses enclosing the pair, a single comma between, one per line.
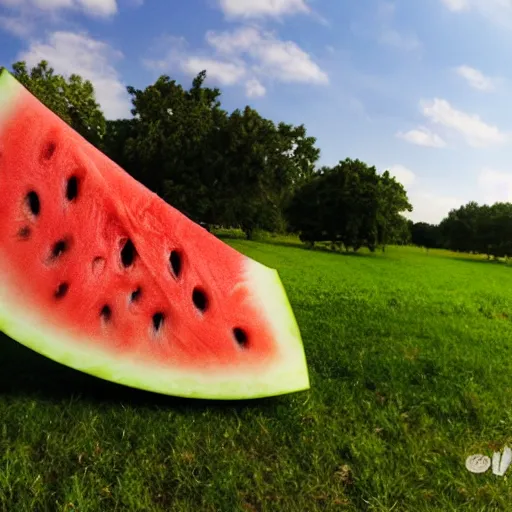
(114,144)
(350,205)
(71,99)
(426,235)
(393,202)
(251,191)
(174,144)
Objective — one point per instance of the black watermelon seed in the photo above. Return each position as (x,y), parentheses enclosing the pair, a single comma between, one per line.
(61,290)
(175,261)
(240,336)
(72,188)
(33,203)
(106,313)
(158,321)
(128,253)
(200,300)
(135,296)
(59,248)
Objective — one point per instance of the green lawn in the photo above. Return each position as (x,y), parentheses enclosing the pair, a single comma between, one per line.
(410,365)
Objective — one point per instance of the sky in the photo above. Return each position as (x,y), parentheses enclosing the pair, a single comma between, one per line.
(421,88)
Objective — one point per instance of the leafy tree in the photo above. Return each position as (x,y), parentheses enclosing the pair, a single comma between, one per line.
(426,235)
(401,233)
(117,133)
(350,205)
(393,202)
(484,229)
(460,228)
(71,99)
(251,188)
(175,140)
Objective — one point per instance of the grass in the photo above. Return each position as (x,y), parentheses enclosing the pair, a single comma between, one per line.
(411,372)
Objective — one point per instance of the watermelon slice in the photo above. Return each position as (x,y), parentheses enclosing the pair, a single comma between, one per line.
(100,274)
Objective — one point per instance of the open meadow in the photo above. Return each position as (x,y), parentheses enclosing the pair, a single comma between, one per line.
(411,371)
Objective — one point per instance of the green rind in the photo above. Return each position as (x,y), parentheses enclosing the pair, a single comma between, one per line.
(287,374)
(9,91)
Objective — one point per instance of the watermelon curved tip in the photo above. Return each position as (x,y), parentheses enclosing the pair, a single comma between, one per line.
(9,88)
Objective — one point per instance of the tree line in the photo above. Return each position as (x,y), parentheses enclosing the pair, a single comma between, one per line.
(239,169)
(471,228)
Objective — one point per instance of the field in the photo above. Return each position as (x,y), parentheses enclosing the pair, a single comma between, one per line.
(411,370)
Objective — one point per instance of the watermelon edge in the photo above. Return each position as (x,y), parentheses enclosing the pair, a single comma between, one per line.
(10,88)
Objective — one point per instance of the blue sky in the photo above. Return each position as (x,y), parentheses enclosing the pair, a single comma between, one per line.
(421,87)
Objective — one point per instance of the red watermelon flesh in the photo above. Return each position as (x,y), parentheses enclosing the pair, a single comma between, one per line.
(100,274)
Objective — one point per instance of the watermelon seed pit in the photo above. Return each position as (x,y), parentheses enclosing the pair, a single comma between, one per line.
(136,295)
(59,248)
(24,232)
(49,150)
(72,188)
(106,313)
(33,203)
(61,290)
(240,336)
(128,253)
(158,321)
(98,264)
(175,261)
(200,300)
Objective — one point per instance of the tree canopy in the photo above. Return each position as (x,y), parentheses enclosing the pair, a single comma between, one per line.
(350,204)
(72,99)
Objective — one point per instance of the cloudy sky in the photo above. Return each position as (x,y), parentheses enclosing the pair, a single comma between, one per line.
(418,87)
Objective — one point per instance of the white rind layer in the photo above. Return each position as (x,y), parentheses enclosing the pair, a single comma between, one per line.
(287,373)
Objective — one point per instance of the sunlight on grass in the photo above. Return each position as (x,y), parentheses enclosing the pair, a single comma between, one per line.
(409,355)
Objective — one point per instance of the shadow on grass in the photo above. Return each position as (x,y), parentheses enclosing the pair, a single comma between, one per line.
(485,261)
(298,245)
(24,373)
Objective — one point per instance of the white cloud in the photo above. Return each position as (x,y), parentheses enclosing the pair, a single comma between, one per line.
(498,12)
(254,89)
(422,136)
(476,78)
(246,56)
(495,185)
(431,208)
(262,8)
(226,73)
(235,42)
(404,175)
(476,132)
(16,25)
(456,5)
(69,53)
(427,206)
(102,8)
(269,56)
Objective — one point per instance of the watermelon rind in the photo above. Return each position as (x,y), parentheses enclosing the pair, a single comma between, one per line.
(287,373)
(9,90)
